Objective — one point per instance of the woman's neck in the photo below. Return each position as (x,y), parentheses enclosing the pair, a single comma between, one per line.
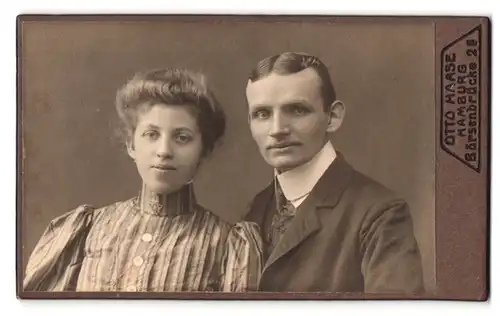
(161,204)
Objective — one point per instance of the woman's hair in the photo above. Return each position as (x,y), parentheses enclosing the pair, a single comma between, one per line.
(176,87)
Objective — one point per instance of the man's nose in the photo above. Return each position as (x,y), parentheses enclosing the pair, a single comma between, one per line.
(165,148)
(279,126)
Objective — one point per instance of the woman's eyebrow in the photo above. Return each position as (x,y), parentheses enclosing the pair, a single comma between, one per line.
(183,129)
(149,126)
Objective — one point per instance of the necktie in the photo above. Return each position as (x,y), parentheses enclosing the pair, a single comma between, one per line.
(282,218)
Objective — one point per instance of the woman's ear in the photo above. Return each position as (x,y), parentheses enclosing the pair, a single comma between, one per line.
(130,148)
(336,115)
(201,161)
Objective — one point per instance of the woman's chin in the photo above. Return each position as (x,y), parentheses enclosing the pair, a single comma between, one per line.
(162,188)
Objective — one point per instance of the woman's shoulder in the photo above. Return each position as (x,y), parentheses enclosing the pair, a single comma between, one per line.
(246,233)
(85,214)
(78,216)
(237,231)
(113,208)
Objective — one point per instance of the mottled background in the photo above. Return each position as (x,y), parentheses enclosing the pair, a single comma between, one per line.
(383,71)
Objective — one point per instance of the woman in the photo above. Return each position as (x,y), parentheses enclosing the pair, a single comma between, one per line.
(160,240)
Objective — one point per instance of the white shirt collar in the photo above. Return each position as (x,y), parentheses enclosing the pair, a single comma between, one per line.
(298,182)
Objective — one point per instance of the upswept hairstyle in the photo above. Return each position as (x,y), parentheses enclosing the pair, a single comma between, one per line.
(291,62)
(176,87)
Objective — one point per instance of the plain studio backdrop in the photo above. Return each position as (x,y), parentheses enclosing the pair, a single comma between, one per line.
(383,71)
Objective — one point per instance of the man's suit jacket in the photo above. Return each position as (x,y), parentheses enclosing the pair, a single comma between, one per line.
(351,234)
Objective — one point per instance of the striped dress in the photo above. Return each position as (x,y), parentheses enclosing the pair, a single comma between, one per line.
(148,243)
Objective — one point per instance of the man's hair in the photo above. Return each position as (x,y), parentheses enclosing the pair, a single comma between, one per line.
(289,63)
(177,87)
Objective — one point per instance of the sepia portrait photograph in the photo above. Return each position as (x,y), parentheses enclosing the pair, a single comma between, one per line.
(251,157)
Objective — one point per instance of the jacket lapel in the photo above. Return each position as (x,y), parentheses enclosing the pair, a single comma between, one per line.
(305,223)
(325,194)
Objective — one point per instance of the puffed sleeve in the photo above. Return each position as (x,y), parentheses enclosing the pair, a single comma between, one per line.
(55,262)
(243,258)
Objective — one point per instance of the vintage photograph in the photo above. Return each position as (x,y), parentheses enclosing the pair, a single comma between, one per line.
(198,155)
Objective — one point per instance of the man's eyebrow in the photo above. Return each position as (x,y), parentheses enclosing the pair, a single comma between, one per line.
(260,107)
(289,103)
(297,102)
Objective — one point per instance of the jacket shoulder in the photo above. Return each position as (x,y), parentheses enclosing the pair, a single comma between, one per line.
(256,206)
(372,202)
(370,190)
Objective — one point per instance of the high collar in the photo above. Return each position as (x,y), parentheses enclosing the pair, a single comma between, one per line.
(298,182)
(173,204)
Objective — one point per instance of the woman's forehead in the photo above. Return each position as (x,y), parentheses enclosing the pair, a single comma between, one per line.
(167,116)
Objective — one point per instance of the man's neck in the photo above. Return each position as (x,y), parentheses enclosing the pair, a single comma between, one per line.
(299,181)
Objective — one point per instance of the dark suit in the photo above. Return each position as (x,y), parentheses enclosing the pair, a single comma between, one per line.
(351,234)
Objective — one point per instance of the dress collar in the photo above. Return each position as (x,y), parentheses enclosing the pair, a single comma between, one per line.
(173,204)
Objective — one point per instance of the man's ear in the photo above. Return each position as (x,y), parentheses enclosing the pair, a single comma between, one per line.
(336,115)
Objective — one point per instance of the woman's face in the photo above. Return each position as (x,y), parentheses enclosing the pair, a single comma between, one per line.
(166,147)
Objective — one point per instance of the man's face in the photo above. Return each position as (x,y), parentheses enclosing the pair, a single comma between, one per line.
(287,117)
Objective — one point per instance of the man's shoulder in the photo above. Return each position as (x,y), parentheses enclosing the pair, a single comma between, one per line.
(371,197)
(369,186)
(258,202)
(263,192)
(363,189)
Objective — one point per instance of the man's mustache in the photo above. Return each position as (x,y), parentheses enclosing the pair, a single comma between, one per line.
(283,145)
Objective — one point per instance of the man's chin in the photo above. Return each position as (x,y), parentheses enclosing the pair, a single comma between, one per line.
(283,164)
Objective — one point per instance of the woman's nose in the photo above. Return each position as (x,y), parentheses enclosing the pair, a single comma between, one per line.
(165,149)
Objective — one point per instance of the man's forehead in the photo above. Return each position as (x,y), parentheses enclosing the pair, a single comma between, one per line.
(305,83)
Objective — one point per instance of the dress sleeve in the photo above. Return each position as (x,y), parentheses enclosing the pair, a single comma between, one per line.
(243,258)
(56,259)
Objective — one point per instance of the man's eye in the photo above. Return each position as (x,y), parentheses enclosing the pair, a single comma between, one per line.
(300,110)
(261,114)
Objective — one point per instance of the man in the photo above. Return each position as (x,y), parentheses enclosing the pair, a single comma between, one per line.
(326,227)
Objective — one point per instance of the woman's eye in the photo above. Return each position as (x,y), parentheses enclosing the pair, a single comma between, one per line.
(152,135)
(183,138)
